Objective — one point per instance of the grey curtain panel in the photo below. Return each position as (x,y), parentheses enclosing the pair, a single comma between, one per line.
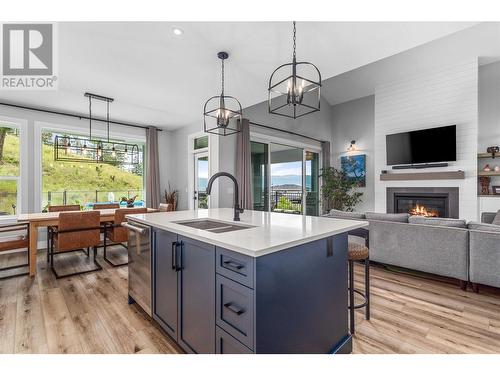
(153,169)
(325,153)
(244,165)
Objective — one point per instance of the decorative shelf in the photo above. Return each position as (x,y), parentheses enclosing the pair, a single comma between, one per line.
(446,175)
(489,195)
(486,155)
(490,173)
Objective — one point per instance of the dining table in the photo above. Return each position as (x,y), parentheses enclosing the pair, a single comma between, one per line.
(45,219)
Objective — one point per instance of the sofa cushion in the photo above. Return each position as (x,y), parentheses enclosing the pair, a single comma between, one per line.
(347,215)
(496,220)
(401,218)
(438,221)
(474,225)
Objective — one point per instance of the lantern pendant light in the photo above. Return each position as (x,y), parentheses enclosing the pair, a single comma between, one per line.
(294,88)
(222,113)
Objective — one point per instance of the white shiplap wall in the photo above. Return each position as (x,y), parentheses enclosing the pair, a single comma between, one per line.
(442,97)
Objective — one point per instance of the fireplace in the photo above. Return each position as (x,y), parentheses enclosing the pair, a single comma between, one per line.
(428,202)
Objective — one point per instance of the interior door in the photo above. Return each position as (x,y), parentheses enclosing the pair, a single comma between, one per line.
(200,180)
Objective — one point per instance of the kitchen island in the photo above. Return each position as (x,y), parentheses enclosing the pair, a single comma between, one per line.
(271,283)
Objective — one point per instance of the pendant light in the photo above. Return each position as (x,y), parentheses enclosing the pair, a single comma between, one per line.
(222,113)
(89,150)
(294,88)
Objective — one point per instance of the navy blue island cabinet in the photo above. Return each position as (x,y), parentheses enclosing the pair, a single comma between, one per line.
(213,300)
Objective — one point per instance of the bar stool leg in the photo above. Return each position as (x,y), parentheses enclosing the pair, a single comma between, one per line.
(351,295)
(367,288)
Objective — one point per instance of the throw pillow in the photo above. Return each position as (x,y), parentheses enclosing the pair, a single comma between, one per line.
(438,221)
(496,220)
(474,225)
(347,214)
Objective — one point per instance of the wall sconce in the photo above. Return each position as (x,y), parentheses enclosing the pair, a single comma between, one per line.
(352,147)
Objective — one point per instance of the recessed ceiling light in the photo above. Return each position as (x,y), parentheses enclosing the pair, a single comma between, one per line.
(177,31)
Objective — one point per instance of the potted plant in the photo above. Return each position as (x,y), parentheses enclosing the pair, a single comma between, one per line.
(338,190)
(171,197)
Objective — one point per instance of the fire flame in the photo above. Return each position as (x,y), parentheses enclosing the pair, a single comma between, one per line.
(423,211)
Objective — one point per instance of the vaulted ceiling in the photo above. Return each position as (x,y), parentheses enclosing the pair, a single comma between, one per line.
(162,79)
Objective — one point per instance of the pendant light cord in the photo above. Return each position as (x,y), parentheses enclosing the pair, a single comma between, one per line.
(90,118)
(294,40)
(107,116)
(222,78)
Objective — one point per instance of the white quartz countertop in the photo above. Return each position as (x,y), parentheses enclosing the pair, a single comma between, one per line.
(271,232)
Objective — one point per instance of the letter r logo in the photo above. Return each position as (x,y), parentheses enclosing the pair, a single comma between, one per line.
(27,49)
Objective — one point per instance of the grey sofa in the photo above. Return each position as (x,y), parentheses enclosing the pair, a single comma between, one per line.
(484,252)
(446,247)
(439,247)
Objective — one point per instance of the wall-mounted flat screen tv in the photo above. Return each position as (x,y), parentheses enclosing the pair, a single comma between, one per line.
(422,146)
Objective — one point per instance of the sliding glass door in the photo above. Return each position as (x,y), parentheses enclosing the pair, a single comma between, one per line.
(285,178)
(312,183)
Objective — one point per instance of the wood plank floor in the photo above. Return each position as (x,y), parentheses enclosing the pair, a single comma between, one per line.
(89,314)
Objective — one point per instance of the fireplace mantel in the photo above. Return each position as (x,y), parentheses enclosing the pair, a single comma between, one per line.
(445,175)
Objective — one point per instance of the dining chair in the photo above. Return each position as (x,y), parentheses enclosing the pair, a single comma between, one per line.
(76,231)
(165,207)
(13,237)
(117,234)
(59,208)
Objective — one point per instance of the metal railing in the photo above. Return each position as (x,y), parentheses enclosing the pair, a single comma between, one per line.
(85,196)
(286,200)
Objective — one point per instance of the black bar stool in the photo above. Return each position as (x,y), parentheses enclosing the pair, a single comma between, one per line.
(359,252)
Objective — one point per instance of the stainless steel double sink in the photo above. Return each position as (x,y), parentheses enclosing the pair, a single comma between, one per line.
(213,226)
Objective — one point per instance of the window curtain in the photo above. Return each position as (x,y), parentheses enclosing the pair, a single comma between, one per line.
(325,153)
(153,168)
(244,165)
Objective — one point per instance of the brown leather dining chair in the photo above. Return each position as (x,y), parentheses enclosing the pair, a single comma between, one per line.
(59,208)
(117,234)
(17,238)
(76,231)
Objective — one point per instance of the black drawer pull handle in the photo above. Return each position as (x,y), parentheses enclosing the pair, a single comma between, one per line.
(233,309)
(233,265)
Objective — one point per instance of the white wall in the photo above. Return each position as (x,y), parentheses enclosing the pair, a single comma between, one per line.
(444,96)
(355,120)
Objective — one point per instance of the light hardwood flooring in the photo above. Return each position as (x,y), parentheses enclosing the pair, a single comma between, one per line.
(89,314)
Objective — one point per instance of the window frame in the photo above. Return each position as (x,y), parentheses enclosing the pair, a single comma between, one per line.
(22,201)
(131,136)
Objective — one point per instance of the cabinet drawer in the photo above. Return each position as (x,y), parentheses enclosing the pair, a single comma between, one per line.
(227,344)
(235,310)
(235,266)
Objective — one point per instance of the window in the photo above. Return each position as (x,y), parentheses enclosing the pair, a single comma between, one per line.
(83,183)
(201,142)
(10,146)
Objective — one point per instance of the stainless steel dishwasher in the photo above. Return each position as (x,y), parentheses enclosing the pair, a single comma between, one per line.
(139,265)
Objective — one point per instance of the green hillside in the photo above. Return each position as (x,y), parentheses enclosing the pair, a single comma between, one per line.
(71,176)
